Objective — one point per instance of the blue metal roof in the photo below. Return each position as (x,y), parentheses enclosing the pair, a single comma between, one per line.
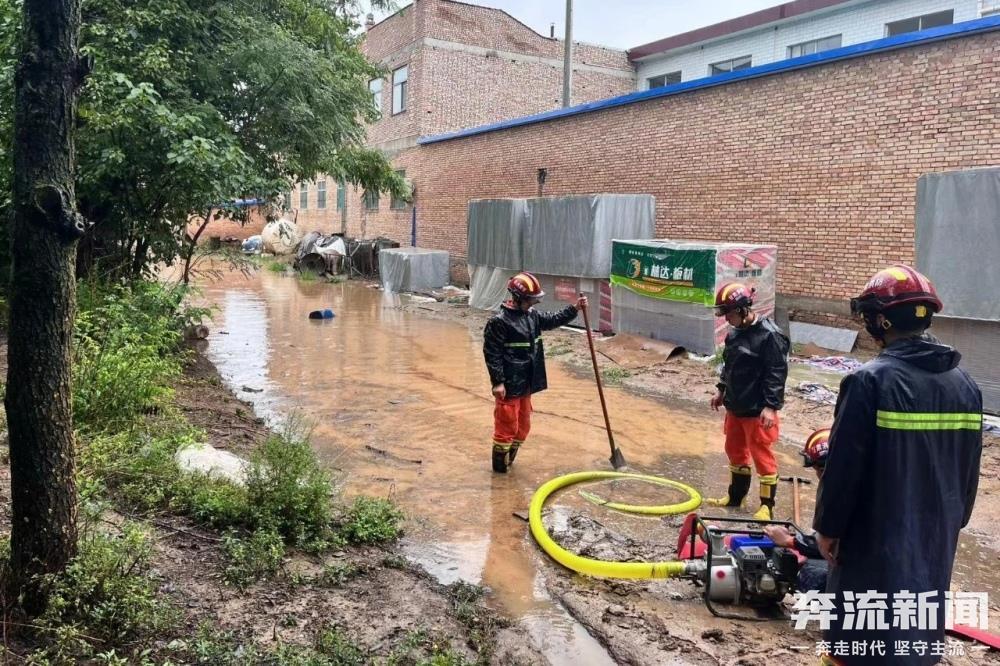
(987,24)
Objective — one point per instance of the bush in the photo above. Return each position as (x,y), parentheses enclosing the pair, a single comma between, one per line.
(104,596)
(372,520)
(252,558)
(289,492)
(126,350)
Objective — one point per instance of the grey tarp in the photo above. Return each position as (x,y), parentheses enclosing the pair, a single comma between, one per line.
(554,237)
(958,240)
(413,268)
(496,233)
(488,286)
(572,235)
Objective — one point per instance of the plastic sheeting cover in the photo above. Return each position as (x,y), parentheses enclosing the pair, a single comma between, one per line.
(413,268)
(572,235)
(488,286)
(280,237)
(496,232)
(958,224)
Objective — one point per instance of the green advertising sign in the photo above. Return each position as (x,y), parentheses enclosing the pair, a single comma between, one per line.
(662,272)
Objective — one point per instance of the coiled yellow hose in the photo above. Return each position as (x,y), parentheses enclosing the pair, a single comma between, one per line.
(599,568)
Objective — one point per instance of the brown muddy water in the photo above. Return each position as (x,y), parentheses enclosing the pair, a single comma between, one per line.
(400,406)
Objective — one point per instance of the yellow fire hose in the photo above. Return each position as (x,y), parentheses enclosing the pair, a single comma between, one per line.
(599,568)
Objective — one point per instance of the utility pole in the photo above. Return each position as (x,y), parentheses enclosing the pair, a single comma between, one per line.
(568,56)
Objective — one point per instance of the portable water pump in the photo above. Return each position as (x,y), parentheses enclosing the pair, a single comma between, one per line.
(737,563)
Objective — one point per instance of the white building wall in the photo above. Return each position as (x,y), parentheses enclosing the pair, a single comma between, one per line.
(862,22)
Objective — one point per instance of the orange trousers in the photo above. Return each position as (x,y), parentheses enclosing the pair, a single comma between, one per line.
(511,420)
(747,438)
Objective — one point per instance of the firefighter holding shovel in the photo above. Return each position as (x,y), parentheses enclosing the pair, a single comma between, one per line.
(515,359)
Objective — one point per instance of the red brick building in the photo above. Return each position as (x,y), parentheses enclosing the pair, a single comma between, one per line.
(820,158)
(452,65)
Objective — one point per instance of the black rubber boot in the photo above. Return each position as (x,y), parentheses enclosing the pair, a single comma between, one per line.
(513,452)
(501,458)
(739,486)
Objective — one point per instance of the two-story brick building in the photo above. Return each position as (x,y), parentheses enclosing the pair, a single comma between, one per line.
(451,65)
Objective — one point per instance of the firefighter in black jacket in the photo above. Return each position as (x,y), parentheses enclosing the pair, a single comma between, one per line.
(752,389)
(515,359)
(902,474)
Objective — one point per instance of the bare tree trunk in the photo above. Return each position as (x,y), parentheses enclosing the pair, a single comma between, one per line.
(193,245)
(45,229)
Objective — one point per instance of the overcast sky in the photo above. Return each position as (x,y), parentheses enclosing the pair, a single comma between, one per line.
(623,23)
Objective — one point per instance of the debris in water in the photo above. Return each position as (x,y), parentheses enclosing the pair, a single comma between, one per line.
(383,452)
(841,364)
(322,314)
(817,393)
(250,389)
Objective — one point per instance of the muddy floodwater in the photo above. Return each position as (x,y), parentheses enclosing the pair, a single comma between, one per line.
(400,406)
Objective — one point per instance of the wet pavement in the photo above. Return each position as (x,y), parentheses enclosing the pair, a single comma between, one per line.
(400,407)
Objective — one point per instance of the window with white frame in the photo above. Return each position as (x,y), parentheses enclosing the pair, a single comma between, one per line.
(400,85)
(663,80)
(321,193)
(375,89)
(989,7)
(815,46)
(733,65)
(916,23)
(303,196)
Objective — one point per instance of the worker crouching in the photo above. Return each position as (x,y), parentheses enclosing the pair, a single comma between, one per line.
(515,360)
(752,390)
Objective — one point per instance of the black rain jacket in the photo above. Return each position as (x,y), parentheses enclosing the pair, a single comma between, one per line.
(900,483)
(754,368)
(512,345)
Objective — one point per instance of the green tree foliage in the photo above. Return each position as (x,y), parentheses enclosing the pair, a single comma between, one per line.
(195,103)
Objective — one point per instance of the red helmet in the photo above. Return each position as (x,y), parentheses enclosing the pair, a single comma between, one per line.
(733,295)
(894,286)
(817,448)
(525,285)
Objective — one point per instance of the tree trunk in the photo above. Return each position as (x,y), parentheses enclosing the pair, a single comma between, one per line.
(45,229)
(193,246)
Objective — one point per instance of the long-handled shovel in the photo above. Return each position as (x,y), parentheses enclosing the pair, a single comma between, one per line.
(617,459)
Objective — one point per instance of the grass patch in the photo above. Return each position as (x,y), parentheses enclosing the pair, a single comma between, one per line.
(615,375)
(308,276)
(559,349)
(276,266)
(421,648)
(336,575)
(371,520)
(481,623)
(252,558)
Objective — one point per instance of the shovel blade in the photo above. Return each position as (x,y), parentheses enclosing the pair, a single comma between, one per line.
(617,459)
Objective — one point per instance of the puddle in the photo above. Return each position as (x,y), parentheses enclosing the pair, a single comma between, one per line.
(401,407)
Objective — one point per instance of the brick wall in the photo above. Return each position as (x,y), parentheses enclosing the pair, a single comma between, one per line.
(470,65)
(822,162)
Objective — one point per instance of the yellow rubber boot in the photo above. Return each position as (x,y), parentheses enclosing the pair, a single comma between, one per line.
(768,489)
(739,486)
